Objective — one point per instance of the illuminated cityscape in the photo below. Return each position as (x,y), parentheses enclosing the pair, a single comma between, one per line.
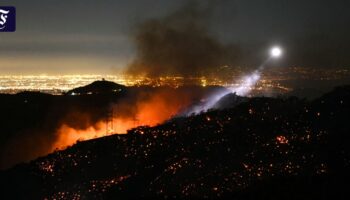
(272,80)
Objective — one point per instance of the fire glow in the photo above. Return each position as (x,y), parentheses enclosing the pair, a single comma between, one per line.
(159,107)
(67,136)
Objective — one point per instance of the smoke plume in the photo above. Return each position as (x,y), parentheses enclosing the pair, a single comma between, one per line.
(179,44)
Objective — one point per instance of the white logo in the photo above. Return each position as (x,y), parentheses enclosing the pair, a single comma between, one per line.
(3,17)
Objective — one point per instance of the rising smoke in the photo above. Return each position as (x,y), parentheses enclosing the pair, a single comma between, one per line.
(179,45)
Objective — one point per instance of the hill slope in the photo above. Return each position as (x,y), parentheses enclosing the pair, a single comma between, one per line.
(264,148)
(98,87)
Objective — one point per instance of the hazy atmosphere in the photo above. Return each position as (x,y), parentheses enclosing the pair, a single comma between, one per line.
(98,37)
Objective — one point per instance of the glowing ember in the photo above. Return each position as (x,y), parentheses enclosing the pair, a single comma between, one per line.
(282,139)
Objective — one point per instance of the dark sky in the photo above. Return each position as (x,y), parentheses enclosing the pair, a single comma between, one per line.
(95,36)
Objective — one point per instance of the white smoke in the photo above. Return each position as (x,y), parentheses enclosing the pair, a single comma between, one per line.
(247,83)
(245,86)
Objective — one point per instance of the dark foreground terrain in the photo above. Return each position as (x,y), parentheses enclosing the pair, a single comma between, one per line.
(29,120)
(264,148)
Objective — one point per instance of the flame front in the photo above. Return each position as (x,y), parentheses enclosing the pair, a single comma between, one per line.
(156,109)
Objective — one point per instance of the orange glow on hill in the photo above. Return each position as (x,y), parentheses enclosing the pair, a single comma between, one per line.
(156,109)
(67,136)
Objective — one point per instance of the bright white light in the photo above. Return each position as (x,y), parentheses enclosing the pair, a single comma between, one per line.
(246,84)
(276,52)
(242,88)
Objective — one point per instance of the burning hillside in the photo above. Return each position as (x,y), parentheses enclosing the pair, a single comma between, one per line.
(266,147)
(102,108)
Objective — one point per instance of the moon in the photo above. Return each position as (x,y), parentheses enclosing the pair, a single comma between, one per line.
(276,52)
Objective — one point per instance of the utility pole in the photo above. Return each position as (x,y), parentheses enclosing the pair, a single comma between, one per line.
(109,121)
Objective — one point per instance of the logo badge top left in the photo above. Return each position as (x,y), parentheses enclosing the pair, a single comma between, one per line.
(7,19)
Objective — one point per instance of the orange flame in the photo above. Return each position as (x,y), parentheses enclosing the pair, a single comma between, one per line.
(155,110)
(68,136)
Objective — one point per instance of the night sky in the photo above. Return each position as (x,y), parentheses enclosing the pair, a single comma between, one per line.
(94,36)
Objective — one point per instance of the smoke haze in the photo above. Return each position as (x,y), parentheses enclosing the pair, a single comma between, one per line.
(179,45)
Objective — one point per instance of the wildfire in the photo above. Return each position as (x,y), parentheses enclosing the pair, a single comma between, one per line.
(68,136)
(155,110)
